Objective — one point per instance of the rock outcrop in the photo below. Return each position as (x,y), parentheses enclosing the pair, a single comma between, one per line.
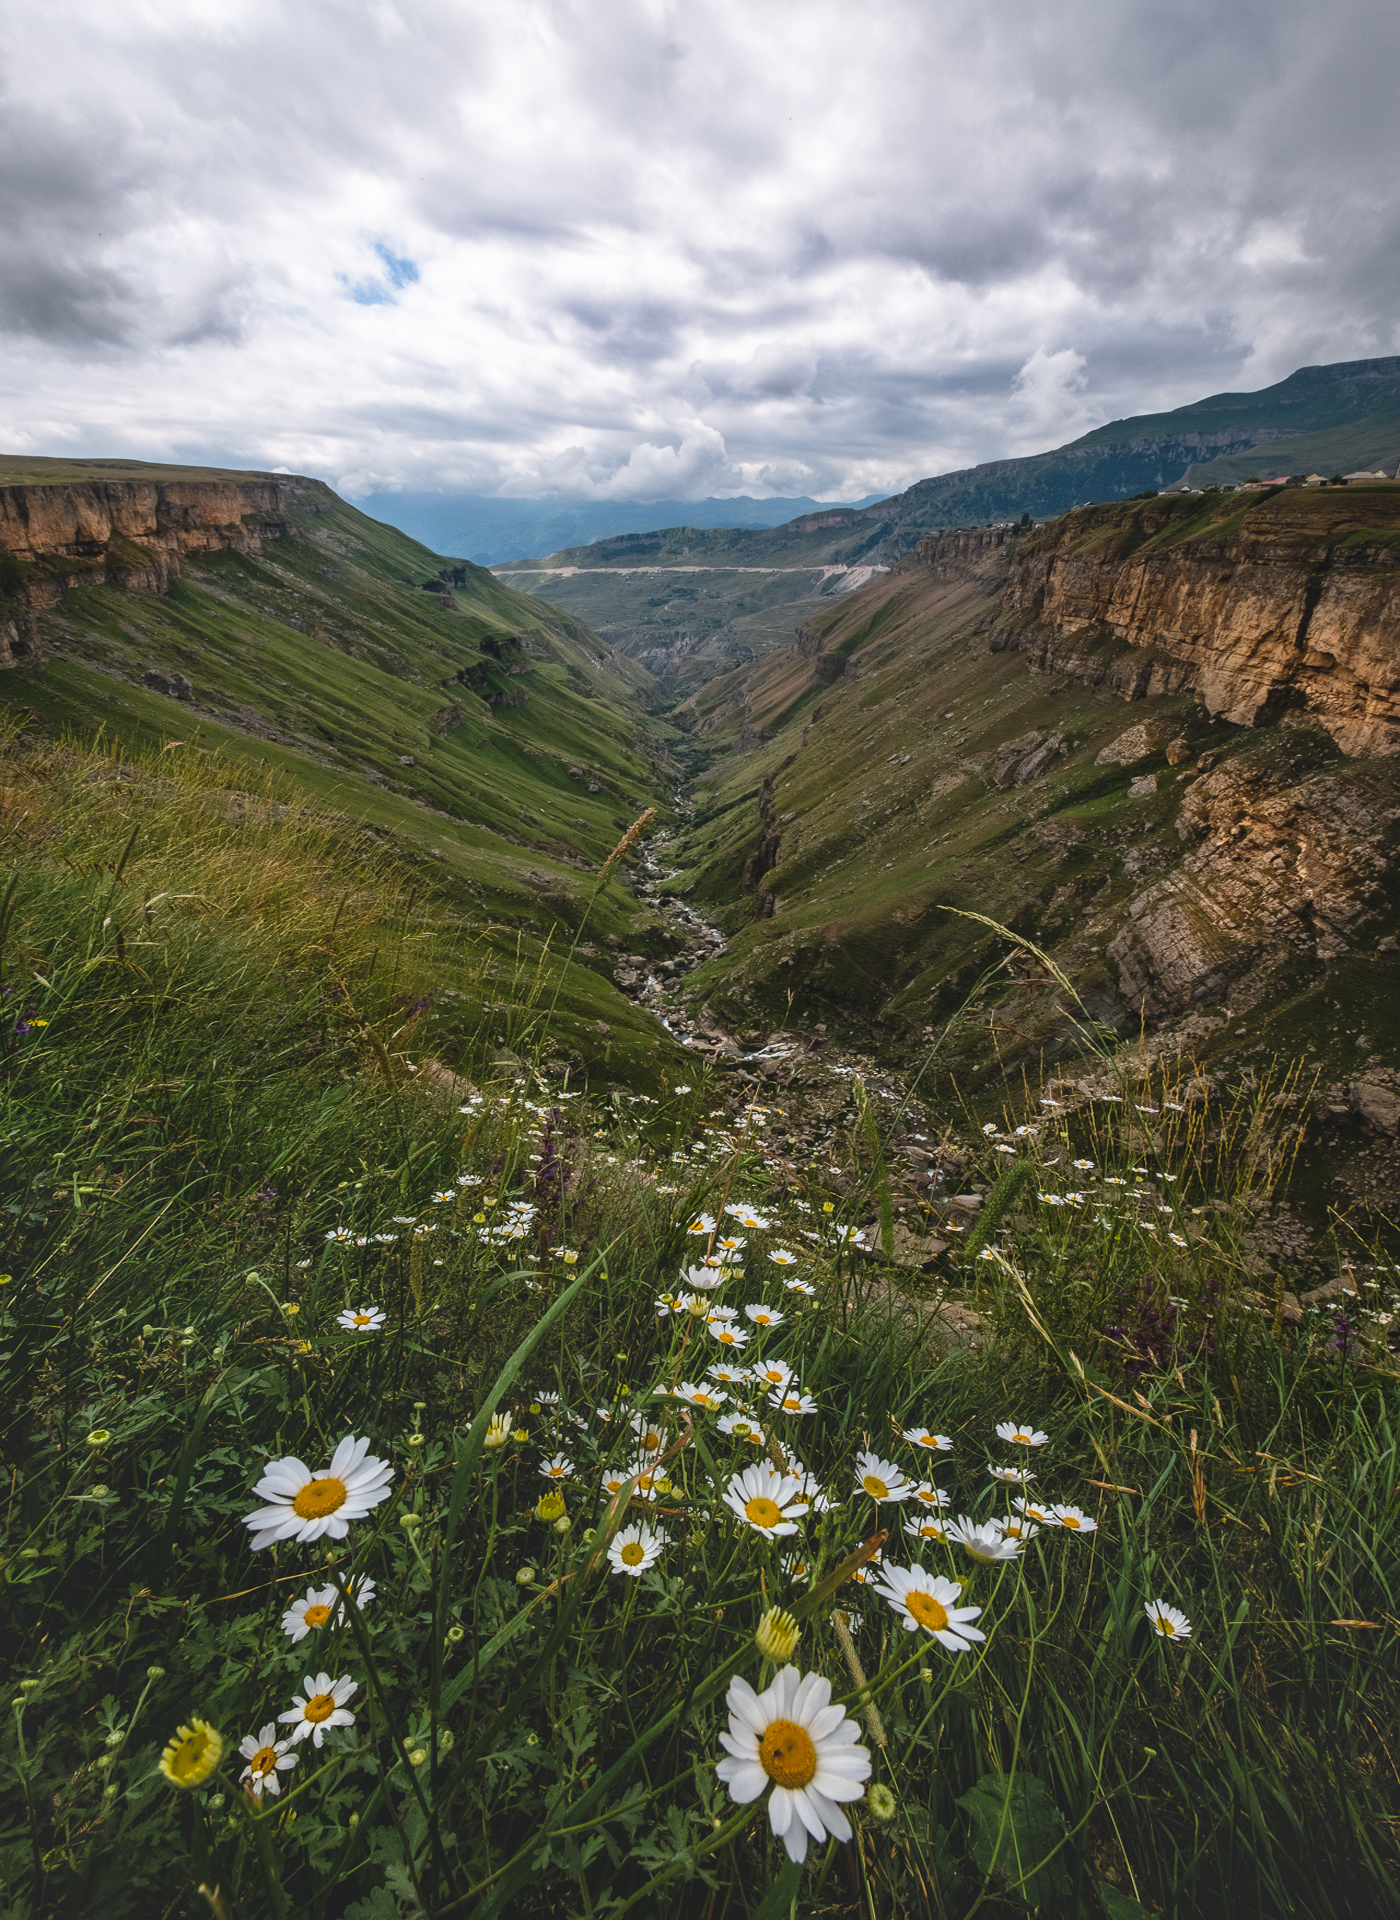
(129,532)
(1281,861)
(1258,603)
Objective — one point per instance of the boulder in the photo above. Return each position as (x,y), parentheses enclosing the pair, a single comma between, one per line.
(1375,1105)
(1018,762)
(1135,744)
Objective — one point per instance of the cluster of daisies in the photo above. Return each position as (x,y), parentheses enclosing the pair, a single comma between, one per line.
(303,1507)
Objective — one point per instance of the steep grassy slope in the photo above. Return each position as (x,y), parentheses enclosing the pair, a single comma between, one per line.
(491,740)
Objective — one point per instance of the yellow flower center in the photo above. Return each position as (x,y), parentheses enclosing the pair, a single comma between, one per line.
(927,1440)
(362,1319)
(644,1482)
(875,1487)
(320,1707)
(263,1761)
(651,1440)
(316,1616)
(1068,1520)
(764,1513)
(790,1403)
(633,1553)
(1164,1625)
(726,1336)
(787,1755)
(927,1611)
(318,1498)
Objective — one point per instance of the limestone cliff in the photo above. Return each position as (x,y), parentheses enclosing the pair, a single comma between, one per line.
(1256,603)
(130,532)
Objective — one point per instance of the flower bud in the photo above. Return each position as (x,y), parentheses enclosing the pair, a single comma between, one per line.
(455,1635)
(417,1757)
(880,1804)
(98,1437)
(525,1577)
(777,1635)
(410,1522)
(415,1439)
(498,1432)
(549,1506)
(563,1524)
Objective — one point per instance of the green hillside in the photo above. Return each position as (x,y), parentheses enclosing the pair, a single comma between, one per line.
(489,741)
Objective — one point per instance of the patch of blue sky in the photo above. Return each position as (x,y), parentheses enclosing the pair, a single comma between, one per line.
(399,272)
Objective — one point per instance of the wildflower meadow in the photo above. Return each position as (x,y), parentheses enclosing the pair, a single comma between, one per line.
(503,1496)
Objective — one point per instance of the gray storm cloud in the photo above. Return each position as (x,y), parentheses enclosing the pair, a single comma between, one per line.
(626,249)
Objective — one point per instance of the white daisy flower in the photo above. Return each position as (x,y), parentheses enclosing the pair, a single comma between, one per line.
(727,1375)
(303,1506)
(361,1319)
(1013,1527)
(929,1495)
(926,1528)
(782,1256)
(558,1467)
(765,1316)
(1033,1510)
(1020,1436)
(929,1601)
(982,1540)
(267,1756)
(731,1243)
(801,1286)
(635,1549)
(614,1480)
(739,1426)
(771,1373)
(726,1334)
(921,1437)
(790,1736)
(646,1473)
(1073,1519)
(650,1432)
(701,1225)
(317,1604)
(699,1395)
(770,1502)
(1169,1621)
(706,1277)
(789,1400)
(1013,1476)
(881,1479)
(319,1706)
(441,1199)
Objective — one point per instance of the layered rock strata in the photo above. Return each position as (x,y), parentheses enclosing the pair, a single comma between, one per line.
(1289,600)
(1281,861)
(129,532)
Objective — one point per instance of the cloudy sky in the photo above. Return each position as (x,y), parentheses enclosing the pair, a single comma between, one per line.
(633,249)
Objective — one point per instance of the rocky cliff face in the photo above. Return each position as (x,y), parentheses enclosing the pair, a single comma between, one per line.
(1257,603)
(129,532)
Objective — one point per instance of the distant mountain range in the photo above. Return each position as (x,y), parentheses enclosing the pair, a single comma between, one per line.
(1339,417)
(490,529)
(757,583)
